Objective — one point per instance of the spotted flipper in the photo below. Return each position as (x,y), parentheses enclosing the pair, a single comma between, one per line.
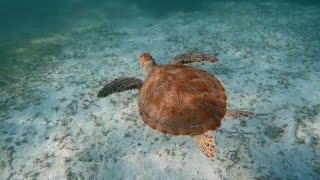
(233,113)
(193,57)
(119,85)
(205,143)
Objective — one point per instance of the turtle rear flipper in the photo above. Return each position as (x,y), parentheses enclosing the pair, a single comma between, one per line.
(119,85)
(234,113)
(193,57)
(205,143)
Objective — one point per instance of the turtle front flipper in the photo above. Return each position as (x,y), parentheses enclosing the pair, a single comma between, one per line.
(119,85)
(193,57)
(205,143)
(233,113)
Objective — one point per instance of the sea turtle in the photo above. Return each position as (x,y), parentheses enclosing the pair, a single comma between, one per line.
(179,99)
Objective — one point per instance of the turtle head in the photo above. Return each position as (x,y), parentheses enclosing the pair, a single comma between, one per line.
(147,62)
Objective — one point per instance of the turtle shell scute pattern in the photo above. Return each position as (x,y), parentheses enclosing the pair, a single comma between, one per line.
(182,100)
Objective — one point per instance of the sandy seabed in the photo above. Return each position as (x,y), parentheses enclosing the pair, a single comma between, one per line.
(53,127)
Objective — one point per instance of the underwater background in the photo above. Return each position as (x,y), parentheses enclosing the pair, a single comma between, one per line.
(56,55)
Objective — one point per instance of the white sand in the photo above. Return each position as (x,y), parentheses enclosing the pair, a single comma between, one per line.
(54,127)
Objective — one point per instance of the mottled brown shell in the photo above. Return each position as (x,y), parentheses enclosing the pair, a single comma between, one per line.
(182,100)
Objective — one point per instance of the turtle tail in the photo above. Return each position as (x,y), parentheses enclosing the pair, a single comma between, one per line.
(119,85)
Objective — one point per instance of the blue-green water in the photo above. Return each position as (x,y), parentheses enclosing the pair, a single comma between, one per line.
(56,55)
